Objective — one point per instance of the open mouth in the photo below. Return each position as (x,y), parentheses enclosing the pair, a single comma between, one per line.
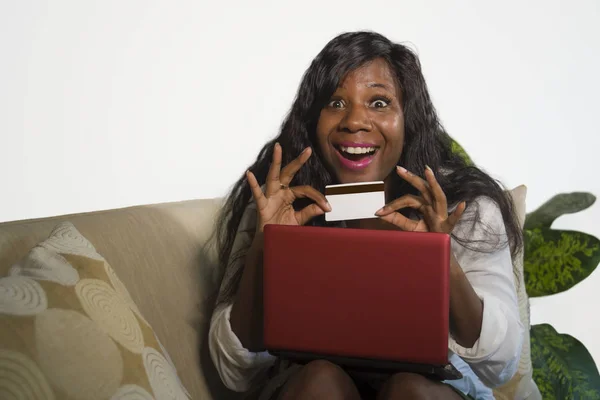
(356,153)
(356,157)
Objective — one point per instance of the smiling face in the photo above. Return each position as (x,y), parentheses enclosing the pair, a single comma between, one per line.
(361,130)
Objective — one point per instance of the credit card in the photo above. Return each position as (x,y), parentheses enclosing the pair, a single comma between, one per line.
(354,200)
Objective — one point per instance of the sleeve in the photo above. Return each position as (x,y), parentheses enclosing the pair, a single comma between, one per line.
(238,368)
(494,357)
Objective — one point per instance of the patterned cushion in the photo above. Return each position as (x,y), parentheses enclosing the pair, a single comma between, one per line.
(521,386)
(69,329)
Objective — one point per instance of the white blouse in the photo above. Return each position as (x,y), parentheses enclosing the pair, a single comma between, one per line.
(494,357)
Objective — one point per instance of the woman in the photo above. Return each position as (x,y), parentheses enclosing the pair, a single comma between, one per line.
(363,113)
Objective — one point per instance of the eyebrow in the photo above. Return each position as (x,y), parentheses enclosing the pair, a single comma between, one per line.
(378,85)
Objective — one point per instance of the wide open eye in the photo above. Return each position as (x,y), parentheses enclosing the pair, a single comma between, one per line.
(380,102)
(336,104)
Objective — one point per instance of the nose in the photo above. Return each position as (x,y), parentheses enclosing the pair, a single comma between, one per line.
(355,120)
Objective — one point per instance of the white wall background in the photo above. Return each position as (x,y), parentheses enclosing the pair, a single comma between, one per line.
(117,103)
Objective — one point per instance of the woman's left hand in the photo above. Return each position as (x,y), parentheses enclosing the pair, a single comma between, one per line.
(432,204)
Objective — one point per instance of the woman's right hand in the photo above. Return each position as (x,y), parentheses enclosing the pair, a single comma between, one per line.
(275,204)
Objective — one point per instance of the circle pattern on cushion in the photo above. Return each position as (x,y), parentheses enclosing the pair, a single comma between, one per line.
(122,291)
(45,265)
(23,296)
(65,239)
(163,379)
(104,305)
(66,342)
(132,392)
(20,378)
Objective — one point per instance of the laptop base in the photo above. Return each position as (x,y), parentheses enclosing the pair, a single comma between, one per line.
(435,372)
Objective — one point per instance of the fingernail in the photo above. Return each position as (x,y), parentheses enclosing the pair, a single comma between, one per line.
(429,168)
(401,169)
(328,208)
(378,212)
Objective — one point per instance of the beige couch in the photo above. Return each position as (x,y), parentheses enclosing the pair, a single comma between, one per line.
(158,253)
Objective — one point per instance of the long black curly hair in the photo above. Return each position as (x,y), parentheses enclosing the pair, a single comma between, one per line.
(426,142)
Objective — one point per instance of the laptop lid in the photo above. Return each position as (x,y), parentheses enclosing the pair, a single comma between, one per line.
(357,294)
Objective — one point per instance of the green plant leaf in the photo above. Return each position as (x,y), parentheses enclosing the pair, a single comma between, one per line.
(563,369)
(459,150)
(564,203)
(557,260)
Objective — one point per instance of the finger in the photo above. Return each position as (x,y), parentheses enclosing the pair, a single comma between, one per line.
(417,182)
(290,170)
(405,201)
(257,193)
(402,222)
(455,216)
(313,194)
(274,170)
(308,213)
(441,203)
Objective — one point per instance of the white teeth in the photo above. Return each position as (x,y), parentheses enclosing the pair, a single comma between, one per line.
(357,150)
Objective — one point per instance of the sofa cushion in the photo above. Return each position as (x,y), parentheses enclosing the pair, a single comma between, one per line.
(70,330)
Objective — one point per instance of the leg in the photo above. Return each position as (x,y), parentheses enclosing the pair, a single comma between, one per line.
(320,380)
(415,387)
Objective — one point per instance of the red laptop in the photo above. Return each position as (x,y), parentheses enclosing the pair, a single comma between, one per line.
(364,299)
